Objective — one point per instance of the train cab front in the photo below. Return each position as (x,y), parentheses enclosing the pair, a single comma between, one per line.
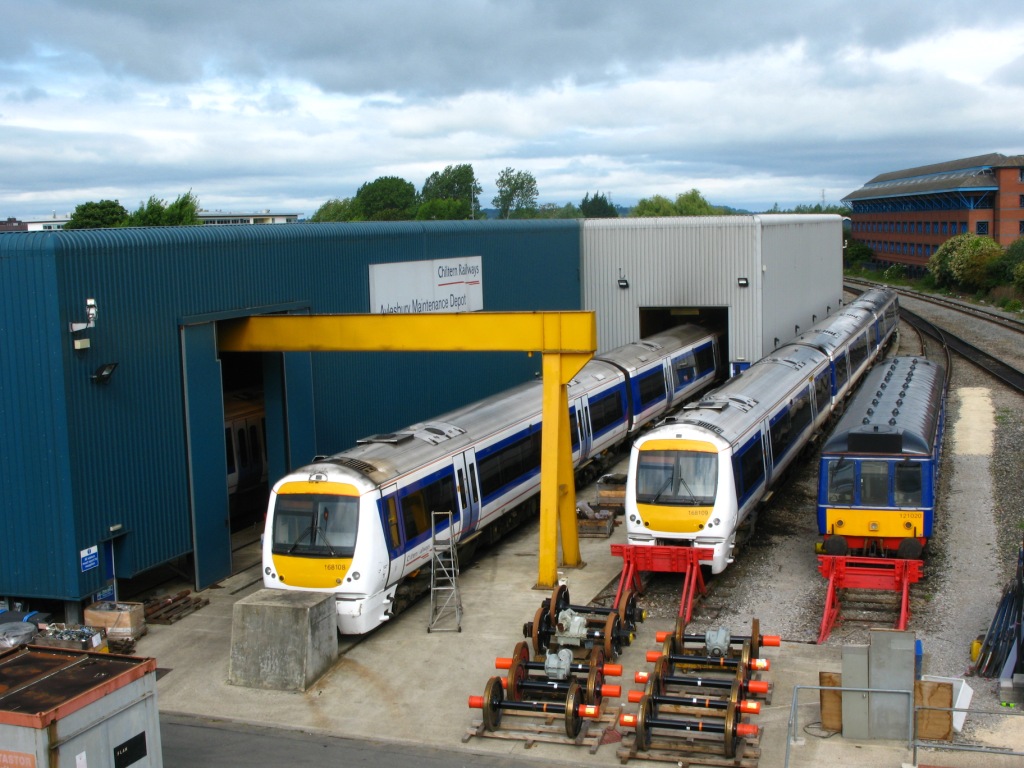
(672,497)
(310,544)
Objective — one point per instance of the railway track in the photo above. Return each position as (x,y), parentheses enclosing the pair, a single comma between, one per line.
(951,343)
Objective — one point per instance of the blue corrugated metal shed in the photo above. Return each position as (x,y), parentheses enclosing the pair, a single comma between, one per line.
(82,459)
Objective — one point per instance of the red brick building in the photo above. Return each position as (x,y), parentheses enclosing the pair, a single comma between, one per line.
(904,216)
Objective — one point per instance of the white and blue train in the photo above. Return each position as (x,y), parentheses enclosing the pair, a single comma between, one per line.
(700,475)
(358,523)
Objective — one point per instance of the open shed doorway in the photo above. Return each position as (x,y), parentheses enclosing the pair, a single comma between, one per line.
(654,320)
(245,438)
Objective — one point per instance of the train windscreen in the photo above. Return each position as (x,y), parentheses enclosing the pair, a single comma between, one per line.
(318,525)
(680,478)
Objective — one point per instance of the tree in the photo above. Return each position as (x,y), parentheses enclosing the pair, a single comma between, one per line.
(105,213)
(454,183)
(598,207)
(964,261)
(335,210)
(443,209)
(387,198)
(556,211)
(517,194)
(692,203)
(1002,269)
(654,206)
(184,211)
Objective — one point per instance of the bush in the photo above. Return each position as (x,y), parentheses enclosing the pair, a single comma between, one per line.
(964,261)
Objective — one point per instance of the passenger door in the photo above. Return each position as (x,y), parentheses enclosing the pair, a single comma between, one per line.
(467,490)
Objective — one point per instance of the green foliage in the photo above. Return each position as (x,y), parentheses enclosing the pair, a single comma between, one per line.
(964,262)
(153,213)
(1001,270)
(444,208)
(598,207)
(857,253)
(1018,277)
(335,210)
(840,209)
(556,211)
(653,206)
(387,198)
(895,273)
(105,213)
(454,183)
(690,203)
(184,211)
(517,194)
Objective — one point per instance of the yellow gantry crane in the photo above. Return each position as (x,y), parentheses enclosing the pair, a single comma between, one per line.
(565,340)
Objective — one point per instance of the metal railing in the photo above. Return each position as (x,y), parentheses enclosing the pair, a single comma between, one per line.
(796,693)
(964,747)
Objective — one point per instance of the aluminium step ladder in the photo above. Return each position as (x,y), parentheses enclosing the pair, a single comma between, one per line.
(445,600)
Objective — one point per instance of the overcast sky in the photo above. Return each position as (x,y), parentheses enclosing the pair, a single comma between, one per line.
(285,105)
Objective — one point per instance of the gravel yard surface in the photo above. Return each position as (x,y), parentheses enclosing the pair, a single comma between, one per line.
(973,554)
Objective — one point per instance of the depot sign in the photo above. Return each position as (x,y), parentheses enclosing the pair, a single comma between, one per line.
(418,287)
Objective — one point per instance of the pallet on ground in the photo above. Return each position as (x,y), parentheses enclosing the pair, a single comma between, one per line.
(167,609)
(531,729)
(692,752)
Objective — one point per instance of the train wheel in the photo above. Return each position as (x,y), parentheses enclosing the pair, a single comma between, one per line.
(493,696)
(573,700)
(559,602)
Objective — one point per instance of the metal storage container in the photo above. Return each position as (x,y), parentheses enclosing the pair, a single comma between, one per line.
(63,707)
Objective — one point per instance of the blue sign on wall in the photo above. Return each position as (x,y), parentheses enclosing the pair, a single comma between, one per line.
(90,558)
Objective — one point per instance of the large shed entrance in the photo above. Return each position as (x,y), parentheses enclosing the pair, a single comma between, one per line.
(654,320)
(251,417)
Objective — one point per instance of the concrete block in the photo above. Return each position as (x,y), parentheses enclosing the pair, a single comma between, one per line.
(282,640)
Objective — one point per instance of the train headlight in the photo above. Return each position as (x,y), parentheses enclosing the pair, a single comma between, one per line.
(355,575)
(872,526)
(267,570)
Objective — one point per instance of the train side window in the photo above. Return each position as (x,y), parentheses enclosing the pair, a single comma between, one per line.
(243,448)
(652,388)
(874,483)
(909,486)
(461,484)
(574,428)
(748,466)
(801,411)
(606,411)
(780,431)
(255,450)
(391,513)
(705,357)
(821,391)
(230,449)
(684,369)
(842,372)
(472,484)
(414,515)
(510,464)
(841,476)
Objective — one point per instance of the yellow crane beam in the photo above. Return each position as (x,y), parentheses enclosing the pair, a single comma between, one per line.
(566,341)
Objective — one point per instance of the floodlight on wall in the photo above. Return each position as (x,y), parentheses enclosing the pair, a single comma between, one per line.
(814,318)
(742,282)
(103,373)
(796,330)
(623,282)
(91,312)
(776,341)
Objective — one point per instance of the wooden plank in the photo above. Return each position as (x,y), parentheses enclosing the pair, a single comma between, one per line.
(831,702)
(937,726)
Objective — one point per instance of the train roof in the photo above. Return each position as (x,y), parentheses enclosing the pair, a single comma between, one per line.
(839,327)
(727,411)
(895,411)
(632,356)
(875,299)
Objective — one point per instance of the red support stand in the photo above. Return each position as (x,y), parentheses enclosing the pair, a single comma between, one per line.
(637,559)
(880,573)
